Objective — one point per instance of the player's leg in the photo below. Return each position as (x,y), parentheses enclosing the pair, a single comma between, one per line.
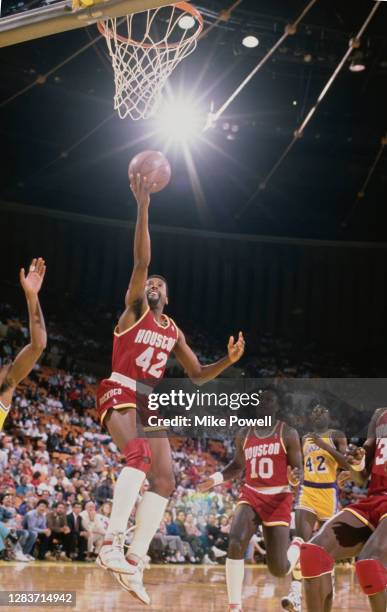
(341,537)
(152,506)
(371,568)
(150,511)
(121,425)
(305,522)
(277,543)
(244,524)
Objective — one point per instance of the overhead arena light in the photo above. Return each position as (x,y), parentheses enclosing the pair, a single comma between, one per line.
(186,22)
(250,41)
(357,64)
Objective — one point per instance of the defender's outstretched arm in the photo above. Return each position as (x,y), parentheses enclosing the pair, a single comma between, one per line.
(28,356)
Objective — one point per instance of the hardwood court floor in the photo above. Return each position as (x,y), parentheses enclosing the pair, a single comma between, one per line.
(172,588)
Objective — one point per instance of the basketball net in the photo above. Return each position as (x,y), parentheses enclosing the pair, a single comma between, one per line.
(145,52)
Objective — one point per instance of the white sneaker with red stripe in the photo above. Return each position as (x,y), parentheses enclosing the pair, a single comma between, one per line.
(134,583)
(111,556)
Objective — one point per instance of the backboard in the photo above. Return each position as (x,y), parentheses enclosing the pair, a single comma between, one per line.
(54,17)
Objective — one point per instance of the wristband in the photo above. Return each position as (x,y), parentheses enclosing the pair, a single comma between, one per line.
(359,467)
(218,478)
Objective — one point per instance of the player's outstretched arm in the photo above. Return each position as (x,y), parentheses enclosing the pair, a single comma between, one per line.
(231,471)
(361,459)
(135,303)
(293,449)
(200,374)
(340,450)
(28,356)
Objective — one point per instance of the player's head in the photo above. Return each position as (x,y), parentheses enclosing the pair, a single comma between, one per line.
(269,401)
(156,291)
(320,417)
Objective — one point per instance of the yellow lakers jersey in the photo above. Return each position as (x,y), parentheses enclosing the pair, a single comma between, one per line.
(3,414)
(319,465)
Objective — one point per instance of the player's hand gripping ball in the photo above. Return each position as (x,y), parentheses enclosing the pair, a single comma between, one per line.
(152,166)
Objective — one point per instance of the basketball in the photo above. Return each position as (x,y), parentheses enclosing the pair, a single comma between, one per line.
(154,165)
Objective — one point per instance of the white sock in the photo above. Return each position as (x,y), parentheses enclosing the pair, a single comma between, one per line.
(126,492)
(293,555)
(296,586)
(149,514)
(235,571)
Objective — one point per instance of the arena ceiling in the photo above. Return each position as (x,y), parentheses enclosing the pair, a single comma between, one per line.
(63,147)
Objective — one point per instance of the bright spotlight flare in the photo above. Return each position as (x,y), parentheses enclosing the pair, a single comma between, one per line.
(180,121)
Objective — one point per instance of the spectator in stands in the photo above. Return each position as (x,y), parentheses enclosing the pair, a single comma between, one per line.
(3,457)
(104,513)
(76,540)
(104,491)
(6,535)
(57,523)
(166,547)
(13,520)
(191,538)
(94,525)
(170,526)
(36,521)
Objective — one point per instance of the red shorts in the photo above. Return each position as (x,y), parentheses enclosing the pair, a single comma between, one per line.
(113,395)
(272,509)
(371,510)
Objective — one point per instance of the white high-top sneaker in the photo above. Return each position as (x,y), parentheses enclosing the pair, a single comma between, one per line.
(292,602)
(111,556)
(134,583)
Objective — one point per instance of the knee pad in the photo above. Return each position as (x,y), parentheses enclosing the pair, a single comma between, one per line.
(315,561)
(372,576)
(138,454)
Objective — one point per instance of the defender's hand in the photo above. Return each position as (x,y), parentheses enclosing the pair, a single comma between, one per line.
(355,454)
(141,189)
(206,485)
(342,478)
(294,476)
(32,283)
(317,440)
(236,349)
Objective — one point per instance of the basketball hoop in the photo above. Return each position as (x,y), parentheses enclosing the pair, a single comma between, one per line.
(145,48)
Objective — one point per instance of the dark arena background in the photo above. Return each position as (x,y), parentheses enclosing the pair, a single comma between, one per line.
(263,228)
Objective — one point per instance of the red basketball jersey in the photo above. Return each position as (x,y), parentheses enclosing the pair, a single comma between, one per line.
(378,482)
(141,352)
(266,459)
